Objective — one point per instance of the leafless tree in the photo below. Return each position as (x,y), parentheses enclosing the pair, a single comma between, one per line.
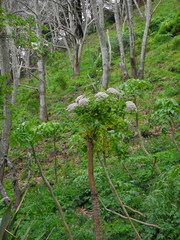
(123,12)
(9,70)
(69,22)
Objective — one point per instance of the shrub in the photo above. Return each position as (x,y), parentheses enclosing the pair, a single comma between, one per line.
(155,23)
(174,68)
(162,206)
(171,25)
(176,43)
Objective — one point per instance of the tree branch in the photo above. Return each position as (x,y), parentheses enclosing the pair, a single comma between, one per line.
(26,86)
(124,217)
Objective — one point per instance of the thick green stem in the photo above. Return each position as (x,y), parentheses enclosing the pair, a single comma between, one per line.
(94,193)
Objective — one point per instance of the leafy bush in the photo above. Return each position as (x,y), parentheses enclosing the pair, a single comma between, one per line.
(171,25)
(162,206)
(58,79)
(174,68)
(156,22)
(176,43)
(166,112)
(161,38)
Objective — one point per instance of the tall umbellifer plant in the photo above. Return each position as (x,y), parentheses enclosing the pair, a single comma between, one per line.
(51,130)
(133,90)
(98,115)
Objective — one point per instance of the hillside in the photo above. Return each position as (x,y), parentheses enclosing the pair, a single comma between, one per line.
(137,150)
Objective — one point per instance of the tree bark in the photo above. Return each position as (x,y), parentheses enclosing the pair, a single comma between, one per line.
(94,193)
(144,42)
(131,39)
(41,69)
(99,20)
(15,183)
(5,69)
(15,64)
(120,40)
(42,89)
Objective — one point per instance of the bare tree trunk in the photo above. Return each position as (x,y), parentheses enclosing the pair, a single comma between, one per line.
(42,89)
(17,190)
(109,46)
(76,64)
(6,123)
(93,189)
(27,63)
(6,44)
(131,38)
(139,11)
(144,42)
(120,40)
(99,20)
(41,69)
(14,65)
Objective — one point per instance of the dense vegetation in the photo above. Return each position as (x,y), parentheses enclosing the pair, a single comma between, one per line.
(144,168)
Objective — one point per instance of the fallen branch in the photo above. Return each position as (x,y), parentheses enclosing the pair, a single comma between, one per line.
(124,217)
(27,86)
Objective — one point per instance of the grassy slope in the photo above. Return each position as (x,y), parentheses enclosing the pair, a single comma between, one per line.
(162,71)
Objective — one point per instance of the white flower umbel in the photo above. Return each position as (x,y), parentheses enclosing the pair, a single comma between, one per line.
(114,91)
(130,106)
(79,98)
(83,101)
(72,106)
(100,95)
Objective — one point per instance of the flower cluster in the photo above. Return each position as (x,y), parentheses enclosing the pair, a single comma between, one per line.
(71,107)
(79,102)
(130,106)
(114,91)
(82,100)
(79,98)
(100,95)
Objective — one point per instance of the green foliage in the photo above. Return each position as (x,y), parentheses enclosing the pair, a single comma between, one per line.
(103,120)
(166,111)
(26,134)
(59,79)
(163,199)
(9,219)
(134,87)
(156,22)
(171,25)
(144,189)
(175,68)
(176,43)
(49,129)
